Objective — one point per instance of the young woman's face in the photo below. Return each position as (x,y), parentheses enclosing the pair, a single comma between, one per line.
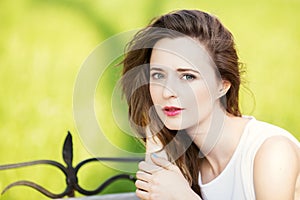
(183,82)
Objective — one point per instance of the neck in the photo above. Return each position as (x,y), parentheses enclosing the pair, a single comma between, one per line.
(217,138)
(207,133)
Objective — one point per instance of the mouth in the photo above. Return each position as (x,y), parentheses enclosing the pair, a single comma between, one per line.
(172,111)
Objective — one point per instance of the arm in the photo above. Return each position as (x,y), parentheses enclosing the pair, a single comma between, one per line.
(276,168)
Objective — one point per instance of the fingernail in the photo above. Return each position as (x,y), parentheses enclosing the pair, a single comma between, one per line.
(154,155)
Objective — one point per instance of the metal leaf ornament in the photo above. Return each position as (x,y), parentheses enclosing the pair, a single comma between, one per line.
(70,172)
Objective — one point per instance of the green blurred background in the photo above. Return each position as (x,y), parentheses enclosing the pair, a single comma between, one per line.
(44,42)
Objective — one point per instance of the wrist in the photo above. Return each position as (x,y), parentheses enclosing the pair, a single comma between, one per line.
(194,196)
(191,195)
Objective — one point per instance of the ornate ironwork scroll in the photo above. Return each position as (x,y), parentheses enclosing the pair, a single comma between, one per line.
(70,172)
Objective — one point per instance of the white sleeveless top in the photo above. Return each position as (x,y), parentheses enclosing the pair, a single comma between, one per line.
(236,181)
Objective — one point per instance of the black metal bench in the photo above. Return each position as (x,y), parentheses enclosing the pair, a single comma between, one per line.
(71,175)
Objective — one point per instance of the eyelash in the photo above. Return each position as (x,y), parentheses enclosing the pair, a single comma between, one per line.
(154,75)
(193,77)
(158,76)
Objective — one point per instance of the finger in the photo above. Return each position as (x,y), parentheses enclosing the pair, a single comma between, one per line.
(162,162)
(149,168)
(143,176)
(142,194)
(142,185)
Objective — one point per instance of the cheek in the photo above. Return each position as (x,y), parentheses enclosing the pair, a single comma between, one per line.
(155,90)
(201,97)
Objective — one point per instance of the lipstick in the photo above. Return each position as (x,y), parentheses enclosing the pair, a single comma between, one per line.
(172,111)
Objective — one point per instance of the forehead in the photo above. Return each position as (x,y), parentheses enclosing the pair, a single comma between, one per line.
(182,51)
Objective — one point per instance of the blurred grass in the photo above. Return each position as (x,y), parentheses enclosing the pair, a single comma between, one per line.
(43,44)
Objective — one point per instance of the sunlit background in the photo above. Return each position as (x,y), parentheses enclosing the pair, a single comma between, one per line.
(43,43)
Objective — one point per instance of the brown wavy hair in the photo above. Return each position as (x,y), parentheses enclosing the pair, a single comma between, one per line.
(219,43)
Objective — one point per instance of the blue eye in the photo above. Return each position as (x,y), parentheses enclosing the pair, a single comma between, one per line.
(188,77)
(157,76)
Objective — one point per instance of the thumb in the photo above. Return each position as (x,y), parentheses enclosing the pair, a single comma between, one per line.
(164,163)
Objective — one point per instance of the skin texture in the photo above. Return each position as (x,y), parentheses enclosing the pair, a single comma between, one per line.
(165,175)
(182,75)
(178,68)
(277,162)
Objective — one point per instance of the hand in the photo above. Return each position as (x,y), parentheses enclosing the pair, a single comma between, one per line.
(162,181)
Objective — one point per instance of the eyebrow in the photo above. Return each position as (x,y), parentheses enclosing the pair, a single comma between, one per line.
(187,69)
(178,70)
(156,69)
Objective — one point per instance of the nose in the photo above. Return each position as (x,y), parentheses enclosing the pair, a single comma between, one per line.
(169,90)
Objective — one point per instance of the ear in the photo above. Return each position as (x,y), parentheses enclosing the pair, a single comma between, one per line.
(224,87)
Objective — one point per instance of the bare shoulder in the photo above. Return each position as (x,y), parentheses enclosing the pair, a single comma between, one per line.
(276,169)
(278,149)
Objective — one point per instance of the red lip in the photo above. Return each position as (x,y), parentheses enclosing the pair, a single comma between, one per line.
(172,111)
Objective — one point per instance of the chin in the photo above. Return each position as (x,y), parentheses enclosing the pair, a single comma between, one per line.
(174,127)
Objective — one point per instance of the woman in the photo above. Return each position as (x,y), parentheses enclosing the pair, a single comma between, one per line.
(181,79)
